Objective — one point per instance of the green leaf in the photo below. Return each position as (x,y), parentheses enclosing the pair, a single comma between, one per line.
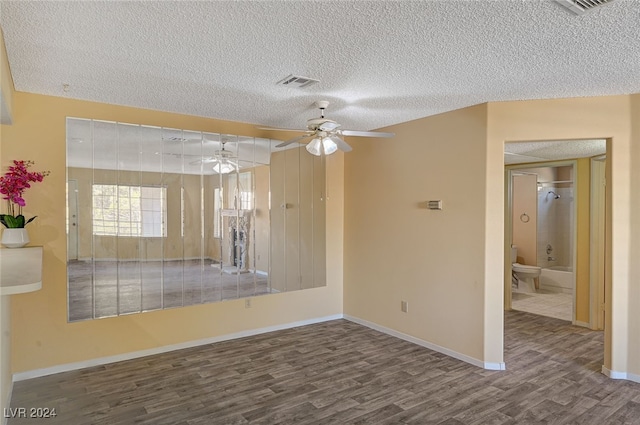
(12,222)
(30,220)
(20,220)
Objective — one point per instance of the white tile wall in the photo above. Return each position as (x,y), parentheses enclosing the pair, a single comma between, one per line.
(555,226)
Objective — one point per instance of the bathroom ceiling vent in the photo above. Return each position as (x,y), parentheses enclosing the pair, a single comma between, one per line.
(297,81)
(581,6)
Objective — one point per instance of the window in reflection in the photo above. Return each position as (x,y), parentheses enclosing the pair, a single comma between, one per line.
(129,210)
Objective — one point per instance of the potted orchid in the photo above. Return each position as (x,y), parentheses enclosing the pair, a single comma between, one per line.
(12,187)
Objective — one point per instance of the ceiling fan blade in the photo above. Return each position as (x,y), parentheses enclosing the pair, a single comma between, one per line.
(366,133)
(203,161)
(295,139)
(342,145)
(281,129)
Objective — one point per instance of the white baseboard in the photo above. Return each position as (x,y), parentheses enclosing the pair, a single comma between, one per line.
(21,376)
(429,345)
(620,375)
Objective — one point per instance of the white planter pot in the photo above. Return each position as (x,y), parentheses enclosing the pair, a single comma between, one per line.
(15,238)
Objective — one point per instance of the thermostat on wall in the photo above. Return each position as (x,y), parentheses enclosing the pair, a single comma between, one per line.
(434,205)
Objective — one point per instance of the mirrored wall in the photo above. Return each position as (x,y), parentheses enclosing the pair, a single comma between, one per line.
(160,218)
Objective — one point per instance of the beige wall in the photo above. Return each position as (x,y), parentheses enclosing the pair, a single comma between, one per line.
(634,274)
(42,337)
(525,218)
(396,249)
(564,119)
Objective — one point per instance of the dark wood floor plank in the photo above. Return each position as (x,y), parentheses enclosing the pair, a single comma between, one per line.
(339,372)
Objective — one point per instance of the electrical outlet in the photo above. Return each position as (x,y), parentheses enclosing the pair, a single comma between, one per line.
(404,306)
(247,303)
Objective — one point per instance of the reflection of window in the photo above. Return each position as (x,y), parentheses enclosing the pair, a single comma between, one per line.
(129,210)
(241,191)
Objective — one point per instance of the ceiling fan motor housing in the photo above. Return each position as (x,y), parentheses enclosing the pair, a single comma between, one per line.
(322,124)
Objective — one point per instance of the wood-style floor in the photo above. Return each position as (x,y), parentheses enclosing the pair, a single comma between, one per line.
(111,288)
(339,372)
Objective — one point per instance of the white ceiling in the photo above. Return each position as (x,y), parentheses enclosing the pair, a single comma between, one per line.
(121,146)
(379,63)
(545,151)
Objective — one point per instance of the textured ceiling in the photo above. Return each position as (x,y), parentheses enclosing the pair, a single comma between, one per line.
(117,146)
(545,151)
(379,63)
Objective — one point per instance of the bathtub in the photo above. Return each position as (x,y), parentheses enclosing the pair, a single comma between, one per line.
(557,279)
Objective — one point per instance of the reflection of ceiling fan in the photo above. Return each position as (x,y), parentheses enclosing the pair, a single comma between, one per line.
(222,159)
(326,135)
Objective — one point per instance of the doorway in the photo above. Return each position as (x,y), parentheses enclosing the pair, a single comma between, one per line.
(588,241)
(543,211)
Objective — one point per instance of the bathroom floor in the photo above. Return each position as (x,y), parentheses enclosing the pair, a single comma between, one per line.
(550,304)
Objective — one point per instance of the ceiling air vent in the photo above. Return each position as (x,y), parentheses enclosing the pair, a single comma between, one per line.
(580,6)
(297,81)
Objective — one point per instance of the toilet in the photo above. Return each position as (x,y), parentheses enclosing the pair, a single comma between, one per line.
(527,276)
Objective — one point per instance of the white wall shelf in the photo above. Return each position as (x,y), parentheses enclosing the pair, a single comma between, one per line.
(20,270)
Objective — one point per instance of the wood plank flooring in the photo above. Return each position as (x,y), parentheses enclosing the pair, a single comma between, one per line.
(339,372)
(111,288)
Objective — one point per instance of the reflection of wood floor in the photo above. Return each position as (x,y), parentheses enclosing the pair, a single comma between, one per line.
(133,286)
(339,372)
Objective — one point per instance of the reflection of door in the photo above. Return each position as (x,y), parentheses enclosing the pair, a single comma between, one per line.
(72,220)
(597,248)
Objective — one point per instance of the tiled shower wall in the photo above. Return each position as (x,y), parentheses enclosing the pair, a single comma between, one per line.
(555,225)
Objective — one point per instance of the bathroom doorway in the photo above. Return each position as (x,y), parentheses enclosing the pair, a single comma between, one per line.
(571,241)
(543,238)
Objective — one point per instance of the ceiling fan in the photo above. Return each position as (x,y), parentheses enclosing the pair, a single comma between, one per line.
(222,159)
(325,134)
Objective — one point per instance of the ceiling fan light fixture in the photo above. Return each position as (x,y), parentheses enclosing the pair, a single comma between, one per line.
(318,146)
(223,168)
(315,147)
(329,146)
